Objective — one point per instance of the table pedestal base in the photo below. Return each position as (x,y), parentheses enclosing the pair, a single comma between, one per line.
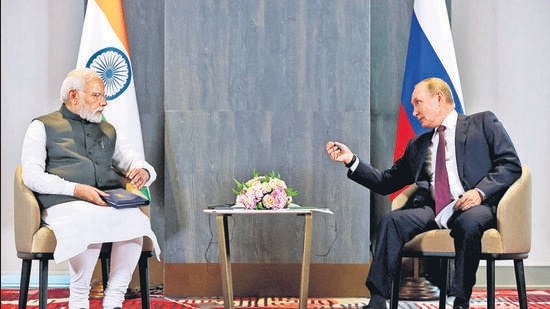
(225,260)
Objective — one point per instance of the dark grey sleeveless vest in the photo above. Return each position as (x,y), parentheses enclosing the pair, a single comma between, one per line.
(79,151)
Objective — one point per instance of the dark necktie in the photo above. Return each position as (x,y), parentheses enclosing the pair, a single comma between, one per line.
(442,189)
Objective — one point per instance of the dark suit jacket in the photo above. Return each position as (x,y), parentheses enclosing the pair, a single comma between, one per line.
(485,155)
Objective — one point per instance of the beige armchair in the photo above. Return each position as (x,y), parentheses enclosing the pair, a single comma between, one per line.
(511,240)
(34,241)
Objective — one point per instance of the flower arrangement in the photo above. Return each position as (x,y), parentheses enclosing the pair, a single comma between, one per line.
(263,192)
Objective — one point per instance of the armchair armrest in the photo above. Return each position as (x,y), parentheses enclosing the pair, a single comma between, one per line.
(514,215)
(400,200)
(26,214)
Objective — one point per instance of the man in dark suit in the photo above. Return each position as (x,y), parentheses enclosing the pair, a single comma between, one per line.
(481,164)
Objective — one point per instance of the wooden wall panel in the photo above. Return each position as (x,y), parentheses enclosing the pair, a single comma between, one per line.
(228,86)
(264,85)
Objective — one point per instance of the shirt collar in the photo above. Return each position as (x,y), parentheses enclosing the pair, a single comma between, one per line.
(450,121)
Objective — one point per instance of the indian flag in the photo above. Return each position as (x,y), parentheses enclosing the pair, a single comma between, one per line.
(104,48)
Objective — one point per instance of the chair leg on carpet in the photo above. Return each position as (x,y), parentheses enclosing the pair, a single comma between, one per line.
(24,286)
(490,284)
(144,281)
(520,283)
(443,287)
(43,284)
(104,270)
(394,297)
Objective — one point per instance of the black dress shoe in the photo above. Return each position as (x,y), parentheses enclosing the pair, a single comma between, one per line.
(376,302)
(373,307)
(461,303)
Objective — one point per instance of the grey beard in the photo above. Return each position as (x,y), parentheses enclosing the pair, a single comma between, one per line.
(96,118)
(89,115)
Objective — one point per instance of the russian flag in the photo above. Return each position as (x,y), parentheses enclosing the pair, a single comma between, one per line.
(430,54)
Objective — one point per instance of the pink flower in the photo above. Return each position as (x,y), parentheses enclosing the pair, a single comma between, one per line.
(263,192)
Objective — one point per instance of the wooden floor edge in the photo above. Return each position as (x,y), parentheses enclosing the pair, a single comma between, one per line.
(265,279)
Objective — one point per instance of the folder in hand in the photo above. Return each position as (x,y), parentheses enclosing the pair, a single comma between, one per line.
(121,198)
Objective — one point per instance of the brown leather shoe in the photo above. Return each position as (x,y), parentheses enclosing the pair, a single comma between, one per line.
(96,290)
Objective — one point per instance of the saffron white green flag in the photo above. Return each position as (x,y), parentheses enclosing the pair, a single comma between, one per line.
(104,48)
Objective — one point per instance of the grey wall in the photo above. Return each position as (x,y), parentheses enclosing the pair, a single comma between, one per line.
(264,85)
(388,47)
(145,28)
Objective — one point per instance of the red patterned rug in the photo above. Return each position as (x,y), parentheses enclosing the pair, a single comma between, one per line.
(57,298)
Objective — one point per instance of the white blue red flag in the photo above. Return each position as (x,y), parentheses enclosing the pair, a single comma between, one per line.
(430,54)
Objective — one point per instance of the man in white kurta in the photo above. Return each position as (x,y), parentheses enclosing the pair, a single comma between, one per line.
(68,158)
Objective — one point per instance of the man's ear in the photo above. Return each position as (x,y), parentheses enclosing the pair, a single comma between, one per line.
(73,96)
(439,96)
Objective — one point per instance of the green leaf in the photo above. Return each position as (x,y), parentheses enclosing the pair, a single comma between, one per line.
(291,192)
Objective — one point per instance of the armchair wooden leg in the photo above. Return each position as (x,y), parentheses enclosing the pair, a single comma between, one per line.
(520,283)
(394,297)
(104,271)
(43,284)
(443,287)
(144,280)
(24,286)
(490,283)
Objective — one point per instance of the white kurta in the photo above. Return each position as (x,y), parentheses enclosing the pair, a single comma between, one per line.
(79,223)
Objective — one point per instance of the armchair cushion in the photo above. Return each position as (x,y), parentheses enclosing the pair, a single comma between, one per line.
(440,241)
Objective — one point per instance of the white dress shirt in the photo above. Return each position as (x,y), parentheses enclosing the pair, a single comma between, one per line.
(450,155)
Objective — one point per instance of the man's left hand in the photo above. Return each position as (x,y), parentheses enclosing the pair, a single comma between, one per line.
(468,200)
(138,177)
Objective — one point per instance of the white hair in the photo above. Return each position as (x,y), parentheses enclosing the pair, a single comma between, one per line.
(76,79)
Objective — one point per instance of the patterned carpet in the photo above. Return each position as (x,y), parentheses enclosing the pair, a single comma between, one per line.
(57,298)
